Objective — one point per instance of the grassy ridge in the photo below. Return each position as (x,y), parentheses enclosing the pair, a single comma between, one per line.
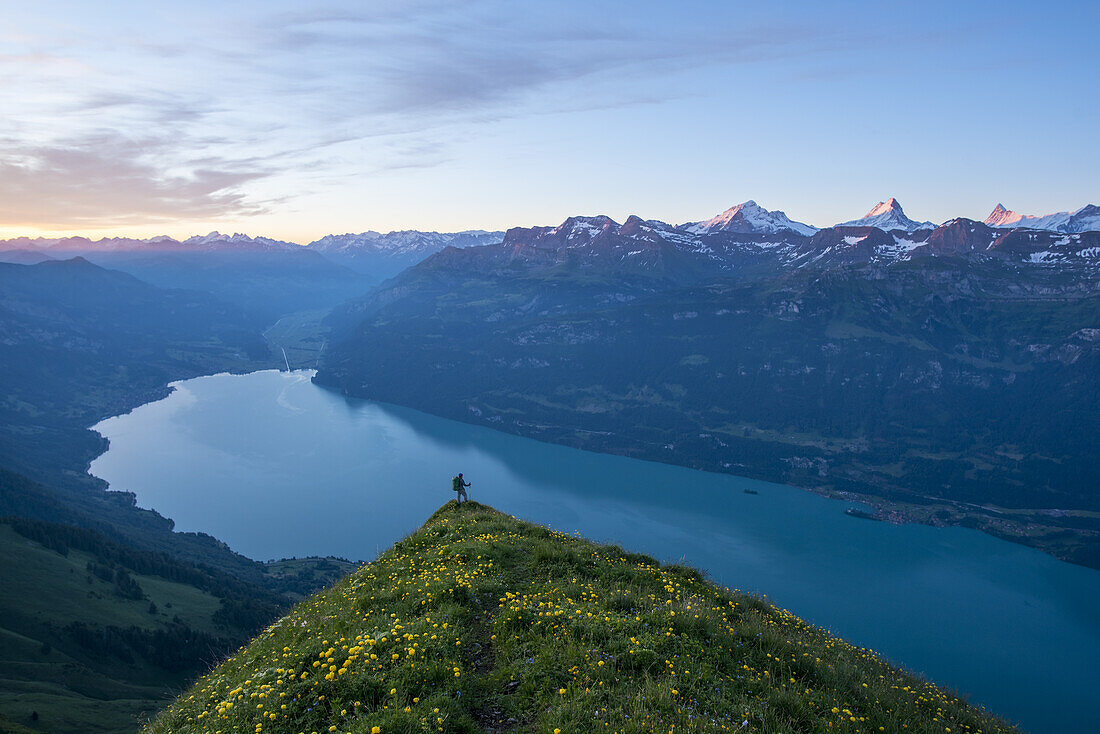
(481,622)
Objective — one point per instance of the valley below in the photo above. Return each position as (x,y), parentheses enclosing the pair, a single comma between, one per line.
(274,464)
(925,389)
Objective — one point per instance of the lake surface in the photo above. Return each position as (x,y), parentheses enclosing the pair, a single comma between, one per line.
(276,466)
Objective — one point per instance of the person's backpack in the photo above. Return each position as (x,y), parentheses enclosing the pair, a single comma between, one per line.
(456,484)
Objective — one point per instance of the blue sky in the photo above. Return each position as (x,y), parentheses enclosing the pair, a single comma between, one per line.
(295,120)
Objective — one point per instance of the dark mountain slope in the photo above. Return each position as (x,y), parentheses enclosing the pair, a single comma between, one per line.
(104,610)
(267,277)
(271,283)
(96,630)
(23,257)
(79,343)
(934,383)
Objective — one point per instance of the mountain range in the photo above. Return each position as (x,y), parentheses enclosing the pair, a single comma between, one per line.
(373,252)
(382,256)
(937,373)
(748,240)
(269,278)
(1085,219)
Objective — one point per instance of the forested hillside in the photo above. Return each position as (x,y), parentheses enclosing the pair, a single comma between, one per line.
(944,389)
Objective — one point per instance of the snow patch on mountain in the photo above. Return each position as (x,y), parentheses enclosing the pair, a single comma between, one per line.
(216,240)
(403,242)
(901,249)
(585,228)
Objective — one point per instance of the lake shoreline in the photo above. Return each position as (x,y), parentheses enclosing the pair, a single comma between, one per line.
(1038,528)
(374,470)
(936,513)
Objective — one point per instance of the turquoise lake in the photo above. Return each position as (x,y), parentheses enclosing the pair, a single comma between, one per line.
(276,467)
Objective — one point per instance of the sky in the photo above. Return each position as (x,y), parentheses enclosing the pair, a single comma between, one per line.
(294,120)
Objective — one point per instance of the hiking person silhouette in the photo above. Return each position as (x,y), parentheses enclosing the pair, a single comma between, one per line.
(459,485)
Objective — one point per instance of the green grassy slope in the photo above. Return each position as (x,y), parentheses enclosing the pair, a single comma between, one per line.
(10,727)
(480,622)
(75,688)
(94,638)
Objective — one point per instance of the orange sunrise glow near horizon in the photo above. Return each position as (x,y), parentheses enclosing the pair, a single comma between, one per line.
(290,123)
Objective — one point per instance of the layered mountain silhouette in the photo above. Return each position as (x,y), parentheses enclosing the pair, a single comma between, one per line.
(743,235)
(267,277)
(385,255)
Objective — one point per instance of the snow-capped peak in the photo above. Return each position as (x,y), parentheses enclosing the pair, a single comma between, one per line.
(216,240)
(885,207)
(888,215)
(1001,217)
(1085,219)
(403,241)
(586,227)
(750,217)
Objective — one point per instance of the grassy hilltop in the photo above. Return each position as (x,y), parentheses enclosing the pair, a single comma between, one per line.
(481,622)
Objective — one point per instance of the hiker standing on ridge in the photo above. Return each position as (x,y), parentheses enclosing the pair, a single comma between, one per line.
(459,485)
